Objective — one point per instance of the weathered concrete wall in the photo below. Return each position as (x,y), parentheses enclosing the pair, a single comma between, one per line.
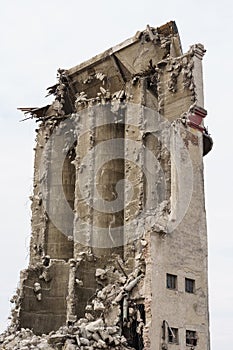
(183,253)
(102,171)
(44,292)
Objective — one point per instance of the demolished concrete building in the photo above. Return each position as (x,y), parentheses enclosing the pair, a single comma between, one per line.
(118,253)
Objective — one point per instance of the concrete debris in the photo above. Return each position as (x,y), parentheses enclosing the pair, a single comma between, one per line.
(79,282)
(92,331)
(131,284)
(95,335)
(102,97)
(98,76)
(37,290)
(101,273)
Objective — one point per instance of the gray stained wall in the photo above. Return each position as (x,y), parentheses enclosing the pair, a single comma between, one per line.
(118,212)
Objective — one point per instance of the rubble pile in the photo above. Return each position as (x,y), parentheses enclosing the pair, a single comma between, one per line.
(82,336)
(111,310)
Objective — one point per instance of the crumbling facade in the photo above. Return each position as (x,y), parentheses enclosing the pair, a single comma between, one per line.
(118,253)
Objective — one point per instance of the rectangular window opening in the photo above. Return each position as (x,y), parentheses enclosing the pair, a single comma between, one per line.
(173,335)
(191,338)
(189,285)
(171,281)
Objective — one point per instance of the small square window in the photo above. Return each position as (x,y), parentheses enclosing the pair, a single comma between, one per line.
(189,285)
(191,338)
(173,335)
(171,281)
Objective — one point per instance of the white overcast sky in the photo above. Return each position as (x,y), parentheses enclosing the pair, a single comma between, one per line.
(36,38)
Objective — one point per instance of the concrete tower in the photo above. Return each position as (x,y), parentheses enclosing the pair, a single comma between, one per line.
(118,251)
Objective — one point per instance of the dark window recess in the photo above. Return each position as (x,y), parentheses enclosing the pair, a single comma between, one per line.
(171,281)
(189,285)
(191,338)
(173,335)
(133,327)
